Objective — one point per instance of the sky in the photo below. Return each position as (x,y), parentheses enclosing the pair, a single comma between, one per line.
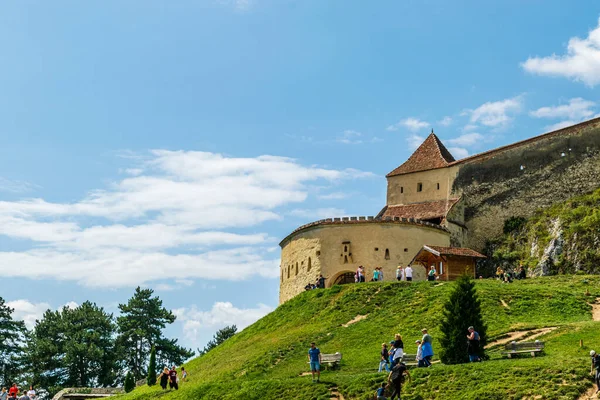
(172,145)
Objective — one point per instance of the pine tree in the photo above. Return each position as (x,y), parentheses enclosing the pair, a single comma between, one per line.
(152,368)
(12,335)
(129,382)
(220,336)
(462,309)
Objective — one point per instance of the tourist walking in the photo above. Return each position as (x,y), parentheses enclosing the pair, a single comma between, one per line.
(595,366)
(396,378)
(164,378)
(473,345)
(24,396)
(31,392)
(426,346)
(381,274)
(173,384)
(421,361)
(13,391)
(321,282)
(360,274)
(381,392)
(399,273)
(384,361)
(314,357)
(376,274)
(3,394)
(408,272)
(432,274)
(399,349)
(183,374)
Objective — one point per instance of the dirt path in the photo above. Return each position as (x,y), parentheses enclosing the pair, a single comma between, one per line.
(590,394)
(355,320)
(596,310)
(520,335)
(335,394)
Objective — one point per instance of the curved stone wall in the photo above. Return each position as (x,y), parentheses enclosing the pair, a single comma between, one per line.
(337,246)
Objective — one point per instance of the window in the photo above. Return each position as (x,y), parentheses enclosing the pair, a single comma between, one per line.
(345,259)
(406,250)
(387,254)
(401,189)
(438,186)
(282,275)
(309,264)
(419,187)
(318,253)
(296,269)
(441,268)
(289,268)
(376,248)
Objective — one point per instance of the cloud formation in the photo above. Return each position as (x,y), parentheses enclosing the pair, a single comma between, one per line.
(412,124)
(219,316)
(495,114)
(580,63)
(574,112)
(183,211)
(467,139)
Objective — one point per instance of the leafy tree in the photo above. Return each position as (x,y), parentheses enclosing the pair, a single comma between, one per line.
(141,323)
(129,382)
(152,368)
(12,340)
(74,347)
(513,224)
(462,309)
(220,336)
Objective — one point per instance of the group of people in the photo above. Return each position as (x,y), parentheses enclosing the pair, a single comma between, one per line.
(13,393)
(507,276)
(169,377)
(319,284)
(402,274)
(392,356)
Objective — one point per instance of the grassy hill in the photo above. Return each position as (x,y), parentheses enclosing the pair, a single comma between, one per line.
(265,360)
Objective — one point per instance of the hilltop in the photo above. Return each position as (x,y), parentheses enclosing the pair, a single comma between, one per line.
(265,360)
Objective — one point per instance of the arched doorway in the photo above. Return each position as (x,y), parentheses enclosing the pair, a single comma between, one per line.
(343,278)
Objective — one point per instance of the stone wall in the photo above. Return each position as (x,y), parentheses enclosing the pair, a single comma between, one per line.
(337,247)
(521,178)
(402,189)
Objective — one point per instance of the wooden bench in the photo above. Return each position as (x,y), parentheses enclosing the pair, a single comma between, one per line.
(513,348)
(410,360)
(331,360)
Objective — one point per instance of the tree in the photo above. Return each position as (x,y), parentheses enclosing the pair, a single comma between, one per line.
(129,382)
(141,326)
(152,368)
(74,347)
(12,338)
(220,336)
(462,309)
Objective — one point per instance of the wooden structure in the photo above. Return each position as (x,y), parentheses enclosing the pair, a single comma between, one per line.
(331,360)
(514,348)
(449,262)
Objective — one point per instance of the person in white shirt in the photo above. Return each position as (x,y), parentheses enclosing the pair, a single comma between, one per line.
(408,272)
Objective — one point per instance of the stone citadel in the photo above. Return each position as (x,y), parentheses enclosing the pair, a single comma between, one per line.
(435,200)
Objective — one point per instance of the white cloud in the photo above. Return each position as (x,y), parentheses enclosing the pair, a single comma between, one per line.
(178,213)
(577,109)
(219,316)
(71,305)
(412,124)
(467,139)
(319,213)
(27,311)
(414,141)
(350,137)
(458,152)
(496,113)
(560,125)
(446,121)
(581,63)
(12,186)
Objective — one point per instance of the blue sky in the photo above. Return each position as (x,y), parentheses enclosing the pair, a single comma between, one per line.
(173,144)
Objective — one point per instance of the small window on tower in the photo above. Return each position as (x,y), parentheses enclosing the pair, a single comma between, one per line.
(406,250)
(296,268)
(401,189)
(419,187)
(438,186)
(309,264)
(387,254)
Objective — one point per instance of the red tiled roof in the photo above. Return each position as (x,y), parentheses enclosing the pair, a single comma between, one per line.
(454,251)
(431,154)
(423,211)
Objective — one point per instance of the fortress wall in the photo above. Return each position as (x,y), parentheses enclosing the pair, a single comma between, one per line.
(429,179)
(519,179)
(329,245)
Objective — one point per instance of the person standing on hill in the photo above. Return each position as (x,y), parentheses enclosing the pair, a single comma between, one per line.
(376,274)
(408,272)
(426,346)
(321,281)
(314,357)
(398,349)
(173,379)
(432,274)
(380,273)
(13,391)
(396,378)
(473,347)
(399,273)
(164,378)
(3,394)
(596,366)
(385,354)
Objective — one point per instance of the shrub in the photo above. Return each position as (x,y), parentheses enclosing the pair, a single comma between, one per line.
(129,382)
(151,379)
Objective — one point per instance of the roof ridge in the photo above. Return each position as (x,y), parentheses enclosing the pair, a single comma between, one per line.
(431,154)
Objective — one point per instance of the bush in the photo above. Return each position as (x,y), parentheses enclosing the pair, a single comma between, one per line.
(514,224)
(151,379)
(129,382)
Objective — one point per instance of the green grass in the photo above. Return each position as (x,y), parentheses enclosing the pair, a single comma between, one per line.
(265,360)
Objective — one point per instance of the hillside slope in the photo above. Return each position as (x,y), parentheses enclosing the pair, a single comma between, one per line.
(265,360)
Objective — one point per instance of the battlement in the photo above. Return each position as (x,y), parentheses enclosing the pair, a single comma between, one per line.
(360,220)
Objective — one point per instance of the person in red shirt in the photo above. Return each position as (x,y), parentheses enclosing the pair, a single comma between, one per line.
(14,390)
